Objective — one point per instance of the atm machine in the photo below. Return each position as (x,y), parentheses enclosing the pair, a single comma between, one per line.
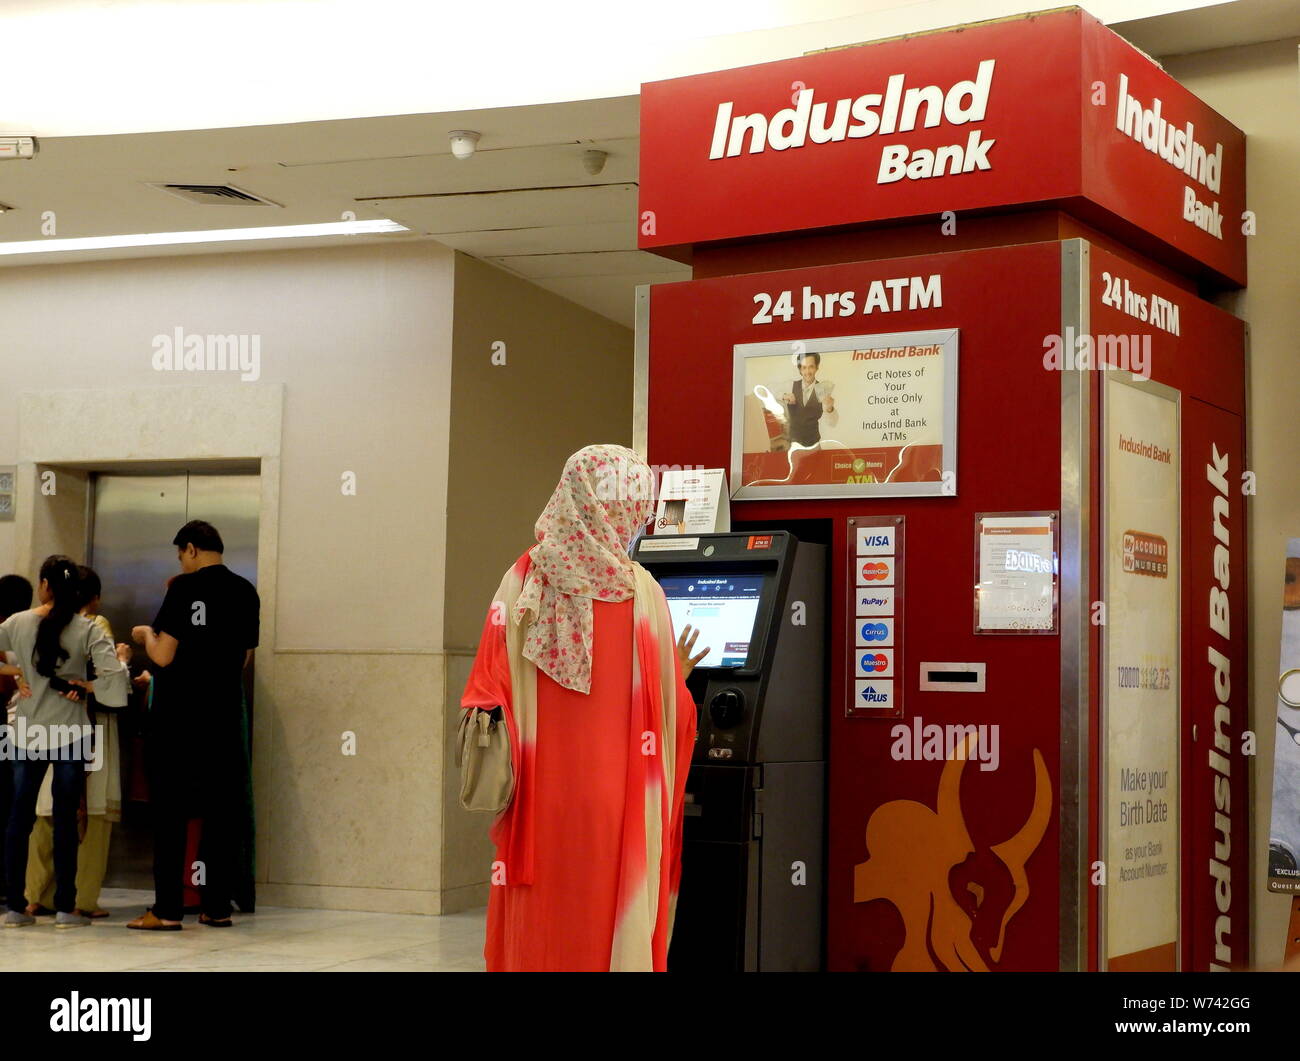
(753,858)
(1016,367)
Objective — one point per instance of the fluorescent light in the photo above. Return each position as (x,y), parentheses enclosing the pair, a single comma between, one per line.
(213,235)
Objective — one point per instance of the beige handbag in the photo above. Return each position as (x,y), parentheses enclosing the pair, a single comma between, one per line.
(487,780)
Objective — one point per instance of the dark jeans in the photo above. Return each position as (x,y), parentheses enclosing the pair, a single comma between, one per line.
(6,804)
(182,788)
(69,779)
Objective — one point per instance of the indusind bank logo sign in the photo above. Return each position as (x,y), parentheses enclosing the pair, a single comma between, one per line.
(897,108)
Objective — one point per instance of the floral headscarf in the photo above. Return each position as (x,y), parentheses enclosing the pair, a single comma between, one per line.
(602,501)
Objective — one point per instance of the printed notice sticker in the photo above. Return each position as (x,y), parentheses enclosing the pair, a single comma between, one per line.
(667,544)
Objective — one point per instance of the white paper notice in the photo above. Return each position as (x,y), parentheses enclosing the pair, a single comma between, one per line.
(693,501)
(1017,576)
(1140,712)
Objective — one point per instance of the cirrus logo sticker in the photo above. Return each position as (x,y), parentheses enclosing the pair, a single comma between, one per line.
(875,632)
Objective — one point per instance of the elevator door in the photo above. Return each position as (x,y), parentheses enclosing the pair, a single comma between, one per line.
(133,521)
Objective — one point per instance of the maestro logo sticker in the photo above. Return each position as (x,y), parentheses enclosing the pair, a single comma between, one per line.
(876,663)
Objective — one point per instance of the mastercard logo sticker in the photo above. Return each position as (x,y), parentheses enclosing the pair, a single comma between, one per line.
(876,571)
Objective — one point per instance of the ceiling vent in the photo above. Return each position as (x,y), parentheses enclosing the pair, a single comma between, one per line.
(214,194)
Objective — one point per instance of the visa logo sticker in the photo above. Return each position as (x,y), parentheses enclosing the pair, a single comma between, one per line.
(874,694)
(875,632)
(876,571)
(875,663)
(876,541)
(875,602)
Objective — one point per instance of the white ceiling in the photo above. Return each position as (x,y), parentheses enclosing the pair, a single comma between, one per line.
(79,67)
(524,202)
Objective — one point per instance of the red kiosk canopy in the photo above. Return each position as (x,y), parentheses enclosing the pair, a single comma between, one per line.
(1051,109)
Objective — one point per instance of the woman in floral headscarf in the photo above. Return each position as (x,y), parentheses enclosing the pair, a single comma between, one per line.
(578,649)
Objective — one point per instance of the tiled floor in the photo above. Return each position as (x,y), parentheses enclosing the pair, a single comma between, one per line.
(273,939)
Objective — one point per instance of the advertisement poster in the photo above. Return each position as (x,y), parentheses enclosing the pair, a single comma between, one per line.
(1016,591)
(851,416)
(1284,833)
(1140,688)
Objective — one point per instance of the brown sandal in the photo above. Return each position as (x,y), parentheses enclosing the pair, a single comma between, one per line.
(216,922)
(149,923)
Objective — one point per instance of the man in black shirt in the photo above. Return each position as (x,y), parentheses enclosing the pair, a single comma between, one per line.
(200,642)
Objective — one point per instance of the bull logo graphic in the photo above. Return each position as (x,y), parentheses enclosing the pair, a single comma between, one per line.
(912,849)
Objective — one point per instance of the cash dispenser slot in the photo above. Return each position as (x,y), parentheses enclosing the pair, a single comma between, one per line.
(952,677)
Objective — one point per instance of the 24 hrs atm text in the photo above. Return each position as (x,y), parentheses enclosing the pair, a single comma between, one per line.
(881,296)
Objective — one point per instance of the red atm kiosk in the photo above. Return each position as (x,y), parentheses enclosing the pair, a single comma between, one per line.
(947,319)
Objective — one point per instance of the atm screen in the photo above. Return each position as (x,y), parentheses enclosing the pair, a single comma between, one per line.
(722,607)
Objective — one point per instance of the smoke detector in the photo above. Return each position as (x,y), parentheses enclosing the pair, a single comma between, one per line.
(463,142)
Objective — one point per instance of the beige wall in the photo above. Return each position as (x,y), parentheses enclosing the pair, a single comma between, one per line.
(566,383)
(1258,89)
(356,347)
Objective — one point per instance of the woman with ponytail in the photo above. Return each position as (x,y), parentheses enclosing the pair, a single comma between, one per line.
(53,645)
